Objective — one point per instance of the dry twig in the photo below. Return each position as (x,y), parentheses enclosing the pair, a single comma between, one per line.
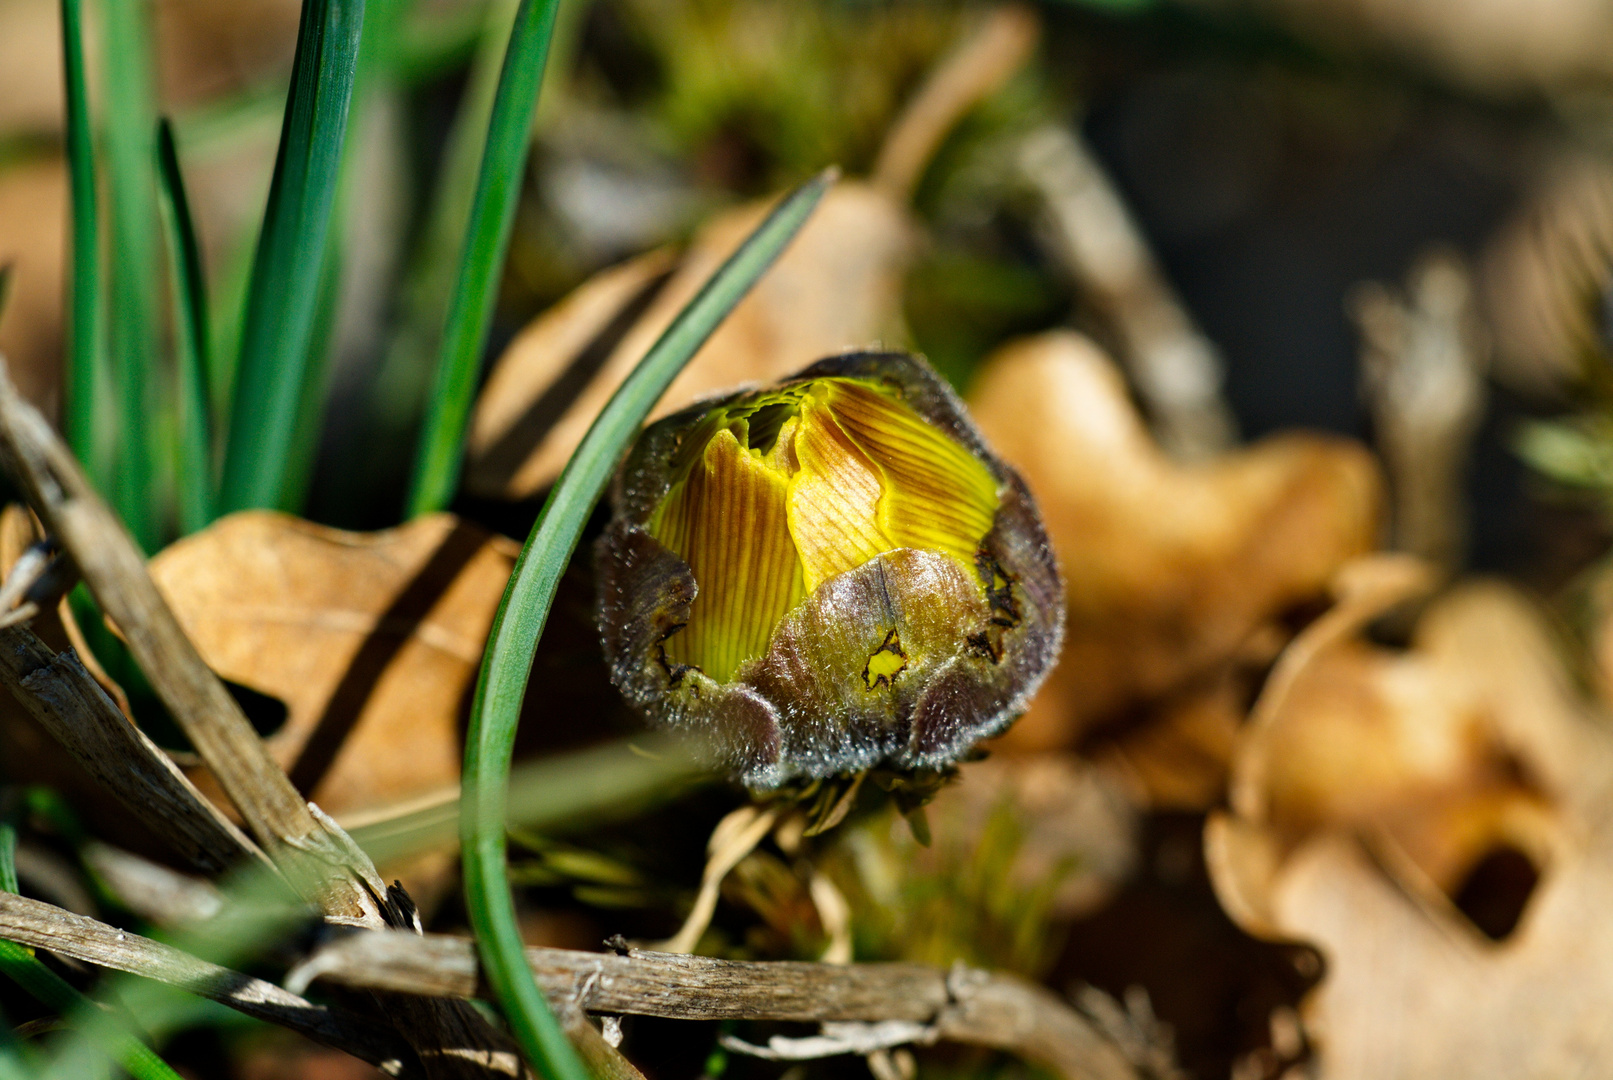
(1175,369)
(1422,368)
(963,1005)
(151,890)
(320,861)
(69,704)
(985,60)
(44,926)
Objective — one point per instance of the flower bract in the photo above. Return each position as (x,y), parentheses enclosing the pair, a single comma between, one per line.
(828,575)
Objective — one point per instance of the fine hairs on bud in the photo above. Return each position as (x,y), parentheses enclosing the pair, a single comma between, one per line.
(828,576)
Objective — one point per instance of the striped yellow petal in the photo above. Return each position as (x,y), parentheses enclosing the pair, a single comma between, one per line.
(775,493)
(834,498)
(727,520)
(937,495)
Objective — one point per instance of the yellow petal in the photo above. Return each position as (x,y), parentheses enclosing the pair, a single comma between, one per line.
(834,498)
(727,520)
(937,495)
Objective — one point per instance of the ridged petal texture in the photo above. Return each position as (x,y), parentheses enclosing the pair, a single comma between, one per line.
(852,472)
(727,521)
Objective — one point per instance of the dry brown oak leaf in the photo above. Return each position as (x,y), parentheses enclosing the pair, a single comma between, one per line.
(836,286)
(371,640)
(1369,785)
(1175,574)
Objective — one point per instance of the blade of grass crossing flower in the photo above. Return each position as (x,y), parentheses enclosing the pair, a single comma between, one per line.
(84,404)
(481,259)
(513,641)
(131,184)
(283,298)
(195,480)
(21,966)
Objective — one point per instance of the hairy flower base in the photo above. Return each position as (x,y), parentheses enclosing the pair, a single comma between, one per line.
(828,577)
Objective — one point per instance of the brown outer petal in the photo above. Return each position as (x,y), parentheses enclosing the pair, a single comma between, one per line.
(803,709)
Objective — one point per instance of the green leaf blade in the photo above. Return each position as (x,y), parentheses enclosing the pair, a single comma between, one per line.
(481,259)
(284,295)
(132,328)
(20,965)
(83,405)
(195,480)
(501,686)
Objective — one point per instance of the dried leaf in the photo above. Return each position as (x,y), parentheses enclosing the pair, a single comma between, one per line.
(1371,789)
(371,640)
(835,288)
(1173,573)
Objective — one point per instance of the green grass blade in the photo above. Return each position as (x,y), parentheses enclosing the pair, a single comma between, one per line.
(587,785)
(481,260)
(283,298)
(21,966)
(513,641)
(131,185)
(195,480)
(397,403)
(83,405)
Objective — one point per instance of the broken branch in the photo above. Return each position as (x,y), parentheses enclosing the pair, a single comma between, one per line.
(963,1005)
(44,926)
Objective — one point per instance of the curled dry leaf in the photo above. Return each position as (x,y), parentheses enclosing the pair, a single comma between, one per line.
(1374,785)
(33,233)
(1174,574)
(834,288)
(371,641)
(23,738)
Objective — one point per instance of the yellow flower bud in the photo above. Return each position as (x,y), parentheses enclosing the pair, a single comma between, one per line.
(827,576)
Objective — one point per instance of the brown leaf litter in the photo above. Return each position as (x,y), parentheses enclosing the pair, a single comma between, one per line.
(1394,807)
(1180,579)
(370,640)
